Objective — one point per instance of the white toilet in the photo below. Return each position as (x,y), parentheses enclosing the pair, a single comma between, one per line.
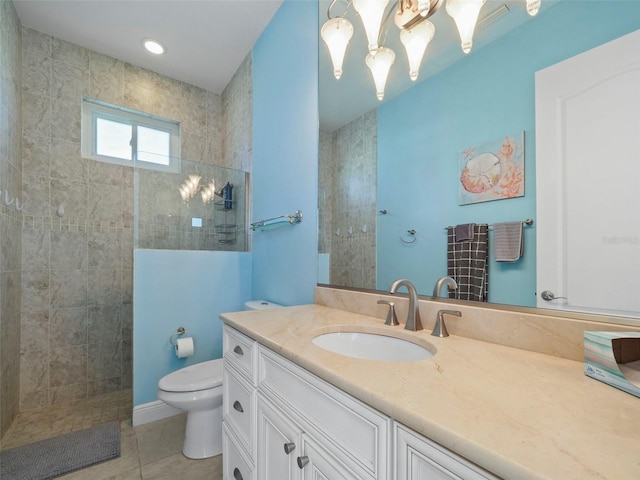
(197,389)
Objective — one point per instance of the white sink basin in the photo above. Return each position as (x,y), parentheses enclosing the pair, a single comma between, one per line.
(371,346)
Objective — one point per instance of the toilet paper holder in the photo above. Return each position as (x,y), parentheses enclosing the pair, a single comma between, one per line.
(173,338)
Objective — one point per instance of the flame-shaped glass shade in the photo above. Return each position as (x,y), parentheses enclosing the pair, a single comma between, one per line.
(336,33)
(465,14)
(371,12)
(415,42)
(532,7)
(379,64)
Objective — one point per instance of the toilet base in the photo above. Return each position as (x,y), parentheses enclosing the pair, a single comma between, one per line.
(203,434)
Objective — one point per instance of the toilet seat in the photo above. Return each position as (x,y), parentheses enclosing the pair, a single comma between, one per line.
(200,376)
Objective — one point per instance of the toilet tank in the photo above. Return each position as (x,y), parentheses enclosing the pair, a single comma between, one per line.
(260,305)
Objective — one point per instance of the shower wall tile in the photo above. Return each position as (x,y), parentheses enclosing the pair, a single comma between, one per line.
(68,250)
(66,161)
(105,324)
(36,115)
(35,156)
(104,361)
(68,288)
(36,195)
(67,393)
(105,250)
(66,117)
(105,287)
(34,371)
(72,195)
(35,290)
(68,327)
(68,365)
(69,82)
(34,332)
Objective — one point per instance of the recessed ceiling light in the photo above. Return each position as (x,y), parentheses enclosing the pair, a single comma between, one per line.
(153,46)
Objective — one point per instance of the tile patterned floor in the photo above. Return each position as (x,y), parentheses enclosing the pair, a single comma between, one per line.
(148,452)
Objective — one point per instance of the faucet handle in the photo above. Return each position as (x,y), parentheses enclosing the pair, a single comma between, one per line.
(392,319)
(440,329)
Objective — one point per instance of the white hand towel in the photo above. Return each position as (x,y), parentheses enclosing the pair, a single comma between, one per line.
(508,242)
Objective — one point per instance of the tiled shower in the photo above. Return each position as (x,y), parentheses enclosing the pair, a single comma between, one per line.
(67,269)
(347,201)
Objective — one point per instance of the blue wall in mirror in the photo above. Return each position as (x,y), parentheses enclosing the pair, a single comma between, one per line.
(484,97)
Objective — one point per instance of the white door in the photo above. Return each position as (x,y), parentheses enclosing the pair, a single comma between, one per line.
(588,180)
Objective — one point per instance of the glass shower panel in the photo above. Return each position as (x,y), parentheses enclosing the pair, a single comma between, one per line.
(202,208)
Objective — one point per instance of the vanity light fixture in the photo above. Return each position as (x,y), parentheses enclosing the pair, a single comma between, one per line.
(153,46)
(410,16)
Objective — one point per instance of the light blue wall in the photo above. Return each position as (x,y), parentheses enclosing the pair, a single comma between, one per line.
(285,153)
(187,289)
(487,95)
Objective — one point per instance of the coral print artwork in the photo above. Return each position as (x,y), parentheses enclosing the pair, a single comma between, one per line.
(493,171)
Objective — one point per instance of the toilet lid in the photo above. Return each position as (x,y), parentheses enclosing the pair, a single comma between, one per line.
(200,376)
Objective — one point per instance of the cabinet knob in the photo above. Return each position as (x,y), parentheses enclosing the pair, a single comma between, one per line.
(303,461)
(289,447)
(236,474)
(238,350)
(238,406)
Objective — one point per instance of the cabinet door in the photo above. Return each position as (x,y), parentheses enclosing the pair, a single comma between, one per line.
(278,443)
(417,458)
(316,463)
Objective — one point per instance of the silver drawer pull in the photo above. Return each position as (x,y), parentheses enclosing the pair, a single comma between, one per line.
(236,474)
(302,461)
(238,406)
(289,447)
(238,350)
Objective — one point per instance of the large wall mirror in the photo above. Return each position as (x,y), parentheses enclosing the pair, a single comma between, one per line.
(392,167)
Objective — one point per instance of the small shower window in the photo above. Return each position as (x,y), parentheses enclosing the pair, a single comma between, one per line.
(115,134)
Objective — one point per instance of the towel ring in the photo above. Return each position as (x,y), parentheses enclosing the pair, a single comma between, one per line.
(411,234)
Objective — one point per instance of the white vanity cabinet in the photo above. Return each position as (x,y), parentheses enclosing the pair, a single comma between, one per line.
(418,458)
(295,426)
(239,406)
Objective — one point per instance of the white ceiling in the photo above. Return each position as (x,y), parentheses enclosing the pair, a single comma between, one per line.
(206,40)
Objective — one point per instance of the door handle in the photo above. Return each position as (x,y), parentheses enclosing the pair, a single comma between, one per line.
(548,296)
(238,406)
(238,350)
(302,461)
(236,474)
(289,447)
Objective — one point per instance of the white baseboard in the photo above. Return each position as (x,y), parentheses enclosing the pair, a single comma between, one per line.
(152,411)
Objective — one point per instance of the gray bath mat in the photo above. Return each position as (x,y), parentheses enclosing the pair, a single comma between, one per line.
(63,454)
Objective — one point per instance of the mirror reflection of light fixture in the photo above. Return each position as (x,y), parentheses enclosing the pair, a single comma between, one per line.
(532,7)
(415,42)
(465,14)
(336,33)
(380,64)
(190,187)
(410,17)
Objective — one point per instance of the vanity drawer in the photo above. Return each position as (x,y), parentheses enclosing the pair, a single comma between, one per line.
(352,431)
(239,406)
(240,351)
(234,465)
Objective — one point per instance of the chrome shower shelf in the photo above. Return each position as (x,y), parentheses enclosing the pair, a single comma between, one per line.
(271,223)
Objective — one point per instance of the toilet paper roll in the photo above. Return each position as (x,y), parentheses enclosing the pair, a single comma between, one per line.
(184,347)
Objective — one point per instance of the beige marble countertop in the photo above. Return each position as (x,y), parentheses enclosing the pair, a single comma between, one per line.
(516,413)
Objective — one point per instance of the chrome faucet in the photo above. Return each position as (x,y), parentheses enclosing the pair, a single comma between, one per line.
(450,282)
(440,329)
(413,318)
